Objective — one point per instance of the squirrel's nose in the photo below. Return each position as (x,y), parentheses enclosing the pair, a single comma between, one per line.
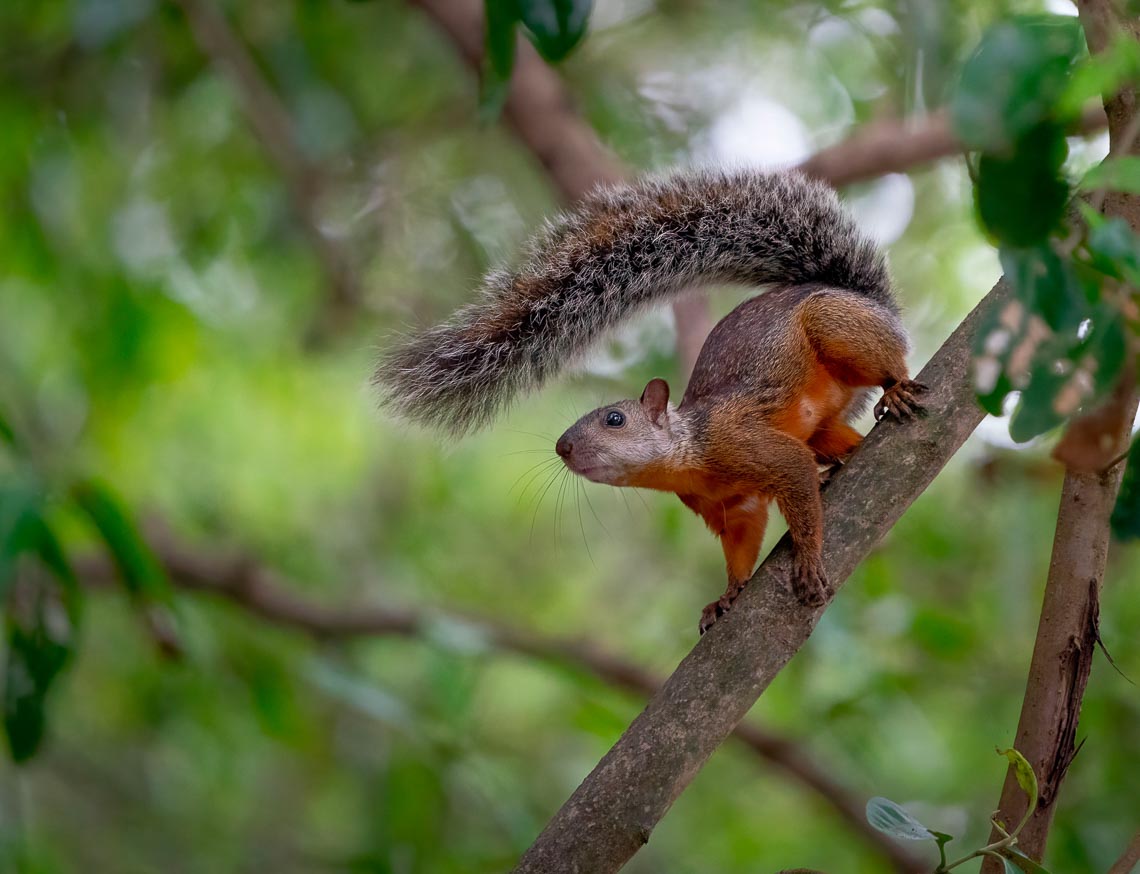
(564,446)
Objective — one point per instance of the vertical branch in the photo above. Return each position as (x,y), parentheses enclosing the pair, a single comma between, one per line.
(1068,630)
(541,114)
(273,128)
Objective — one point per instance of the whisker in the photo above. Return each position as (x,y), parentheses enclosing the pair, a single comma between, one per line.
(559,510)
(550,480)
(547,437)
(641,498)
(581,527)
(531,472)
(593,512)
(625,500)
(545,475)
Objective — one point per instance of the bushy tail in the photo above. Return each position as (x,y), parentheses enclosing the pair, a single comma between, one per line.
(622,249)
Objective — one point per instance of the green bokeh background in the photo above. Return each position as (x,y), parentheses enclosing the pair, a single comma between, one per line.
(157,301)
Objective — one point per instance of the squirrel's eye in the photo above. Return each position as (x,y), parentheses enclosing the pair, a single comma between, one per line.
(614,419)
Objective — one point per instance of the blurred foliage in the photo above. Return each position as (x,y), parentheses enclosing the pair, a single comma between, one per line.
(1061,346)
(555,27)
(156,303)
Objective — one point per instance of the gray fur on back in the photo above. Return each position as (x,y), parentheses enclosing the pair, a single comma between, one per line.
(623,248)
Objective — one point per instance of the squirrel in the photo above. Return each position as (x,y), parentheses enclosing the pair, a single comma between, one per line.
(774,387)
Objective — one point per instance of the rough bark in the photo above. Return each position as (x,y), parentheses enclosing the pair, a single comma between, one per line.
(611,815)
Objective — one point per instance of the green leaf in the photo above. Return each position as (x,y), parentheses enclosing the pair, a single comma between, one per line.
(1019,863)
(1023,771)
(1114,249)
(1126,513)
(1102,74)
(7,435)
(1020,332)
(1046,284)
(555,26)
(1070,372)
(40,638)
(1021,195)
(19,514)
(891,819)
(1003,329)
(1036,413)
(1014,79)
(141,573)
(1115,174)
(502,17)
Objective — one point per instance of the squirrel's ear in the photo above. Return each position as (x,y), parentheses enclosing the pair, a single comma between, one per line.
(654,399)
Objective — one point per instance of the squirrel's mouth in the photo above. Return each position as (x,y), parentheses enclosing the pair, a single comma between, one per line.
(596,473)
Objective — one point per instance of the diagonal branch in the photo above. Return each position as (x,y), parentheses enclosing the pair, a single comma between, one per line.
(257,590)
(1068,631)
(613,812)
(273,128)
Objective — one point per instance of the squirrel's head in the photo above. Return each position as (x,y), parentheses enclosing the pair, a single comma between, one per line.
(620,444)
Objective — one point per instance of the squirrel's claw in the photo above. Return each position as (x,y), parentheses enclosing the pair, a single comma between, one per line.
(809,580)
(713,612)
(900,400)
(721,605)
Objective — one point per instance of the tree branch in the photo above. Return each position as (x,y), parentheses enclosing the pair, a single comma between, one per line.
(901,145)
(273,127)
(1068,631)
(258,591)
(1128,858)
(613,812)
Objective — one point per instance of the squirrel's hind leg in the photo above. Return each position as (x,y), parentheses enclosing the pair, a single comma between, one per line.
(862,344)
(741,536)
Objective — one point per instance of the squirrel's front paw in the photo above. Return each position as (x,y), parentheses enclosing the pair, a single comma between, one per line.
(900,400)
(809,580)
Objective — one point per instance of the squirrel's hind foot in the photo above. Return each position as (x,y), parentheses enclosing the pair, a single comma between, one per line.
(721,605)
(809,581)
(712,613)
(900,400)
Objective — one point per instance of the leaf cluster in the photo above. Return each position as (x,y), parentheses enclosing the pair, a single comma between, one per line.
(1067,338)
(40,596)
